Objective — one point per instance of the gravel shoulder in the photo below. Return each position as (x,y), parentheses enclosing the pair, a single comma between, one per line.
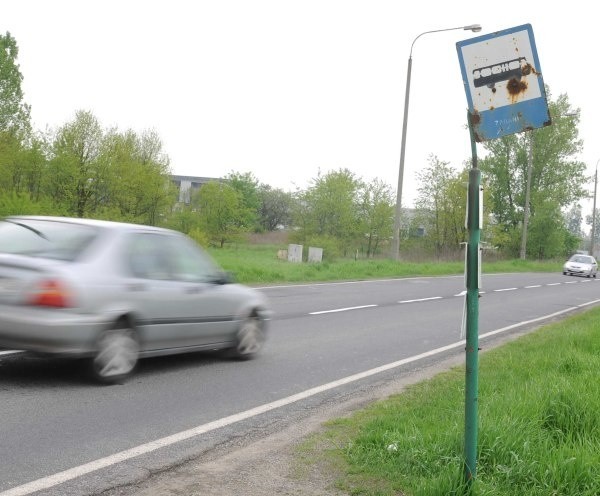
(272,463)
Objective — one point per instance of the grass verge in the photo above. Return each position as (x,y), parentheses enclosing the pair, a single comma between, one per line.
(258,264)
(539,426)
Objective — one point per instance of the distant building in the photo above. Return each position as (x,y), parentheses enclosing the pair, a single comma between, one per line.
(188,185)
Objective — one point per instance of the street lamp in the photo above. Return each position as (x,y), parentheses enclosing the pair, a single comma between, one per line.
(523,251)
(396,239)
(593,234)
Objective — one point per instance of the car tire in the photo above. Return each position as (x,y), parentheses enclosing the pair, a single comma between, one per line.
(116,356)
(564,273)
(249,339)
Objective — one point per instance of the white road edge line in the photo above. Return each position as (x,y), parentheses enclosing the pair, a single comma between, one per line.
(534,286)
(505,289)
(73,473)
(554,284)
(341,309)
(421,299)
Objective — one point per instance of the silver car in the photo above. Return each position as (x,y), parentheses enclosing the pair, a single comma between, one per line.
(117,292)
(581,265)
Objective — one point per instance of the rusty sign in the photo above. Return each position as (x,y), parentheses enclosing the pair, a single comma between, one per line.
(503,82)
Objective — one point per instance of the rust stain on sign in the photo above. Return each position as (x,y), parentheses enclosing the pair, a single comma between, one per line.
(516,87)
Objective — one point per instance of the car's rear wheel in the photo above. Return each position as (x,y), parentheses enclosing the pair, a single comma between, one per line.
(117,352)
(249,340)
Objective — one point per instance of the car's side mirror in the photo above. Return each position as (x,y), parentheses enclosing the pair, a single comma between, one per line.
(223,278)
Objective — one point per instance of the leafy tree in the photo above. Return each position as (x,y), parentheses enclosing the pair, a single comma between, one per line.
(247,187)
(14,119)
(76,173)
(220,211)
(589,220)
(376,210)
(137,184)
(548,236)
(441,204)
(14,113)
(573,220)
(330,207)
(557,178)
(275,207)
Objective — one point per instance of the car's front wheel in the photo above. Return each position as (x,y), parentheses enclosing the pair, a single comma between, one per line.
(116,356)
(249,340)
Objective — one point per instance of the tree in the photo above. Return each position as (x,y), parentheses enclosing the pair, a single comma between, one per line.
(329,208)
(138,185)
(14,113)
(247,187)
(76,173)
(557,178)
(548,236)
(573,220)
(275,207)
(14,119)
(219,208)
(441,204)
(376,210)
(589,220)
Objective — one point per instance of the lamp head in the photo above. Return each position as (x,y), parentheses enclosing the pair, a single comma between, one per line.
(473,27)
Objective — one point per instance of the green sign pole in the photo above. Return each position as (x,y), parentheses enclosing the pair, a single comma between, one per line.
(472,346)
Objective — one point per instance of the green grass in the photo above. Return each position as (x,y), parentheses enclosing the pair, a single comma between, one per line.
(258,264)
(539,425)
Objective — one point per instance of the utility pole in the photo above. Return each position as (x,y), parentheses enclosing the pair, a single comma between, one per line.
(593,233)
(523,253)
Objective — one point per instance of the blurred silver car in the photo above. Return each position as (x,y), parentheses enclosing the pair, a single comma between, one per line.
(580,265)
(117,292)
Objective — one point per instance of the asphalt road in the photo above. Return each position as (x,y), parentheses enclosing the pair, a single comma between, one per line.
(61,435)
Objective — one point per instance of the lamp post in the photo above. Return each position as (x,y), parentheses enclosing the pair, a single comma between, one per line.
(593,233)
(523,251)
(396,239)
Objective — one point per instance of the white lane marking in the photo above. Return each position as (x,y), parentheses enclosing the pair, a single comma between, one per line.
(11,352)
(534,286)
(587,280)
(421,299)
(72,473)
(505,289)
(571,282)
(462,293)
(341,309)
(554,284)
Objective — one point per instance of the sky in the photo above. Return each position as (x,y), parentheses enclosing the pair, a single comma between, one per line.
(287,90)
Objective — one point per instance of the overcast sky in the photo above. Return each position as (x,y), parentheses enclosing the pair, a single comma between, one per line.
(285,89)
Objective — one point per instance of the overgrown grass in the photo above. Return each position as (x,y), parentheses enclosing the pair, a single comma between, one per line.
(539,429)
(258,264)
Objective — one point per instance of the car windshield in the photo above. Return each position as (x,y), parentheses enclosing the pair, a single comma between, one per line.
(44,238)
(581,259)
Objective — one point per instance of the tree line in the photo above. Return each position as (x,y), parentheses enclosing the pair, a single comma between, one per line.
(83,169)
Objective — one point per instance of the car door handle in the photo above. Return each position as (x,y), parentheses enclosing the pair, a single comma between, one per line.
(136,286)
(193,290)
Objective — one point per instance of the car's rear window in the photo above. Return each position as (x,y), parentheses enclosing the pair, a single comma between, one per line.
(44,238)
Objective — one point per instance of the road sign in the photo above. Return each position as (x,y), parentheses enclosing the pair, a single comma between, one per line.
(503,81)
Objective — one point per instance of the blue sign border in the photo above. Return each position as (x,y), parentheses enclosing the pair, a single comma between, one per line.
(513,118)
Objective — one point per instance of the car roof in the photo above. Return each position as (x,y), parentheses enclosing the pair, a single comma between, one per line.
(106,224)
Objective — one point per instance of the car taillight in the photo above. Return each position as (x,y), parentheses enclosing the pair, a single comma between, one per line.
(50,293)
